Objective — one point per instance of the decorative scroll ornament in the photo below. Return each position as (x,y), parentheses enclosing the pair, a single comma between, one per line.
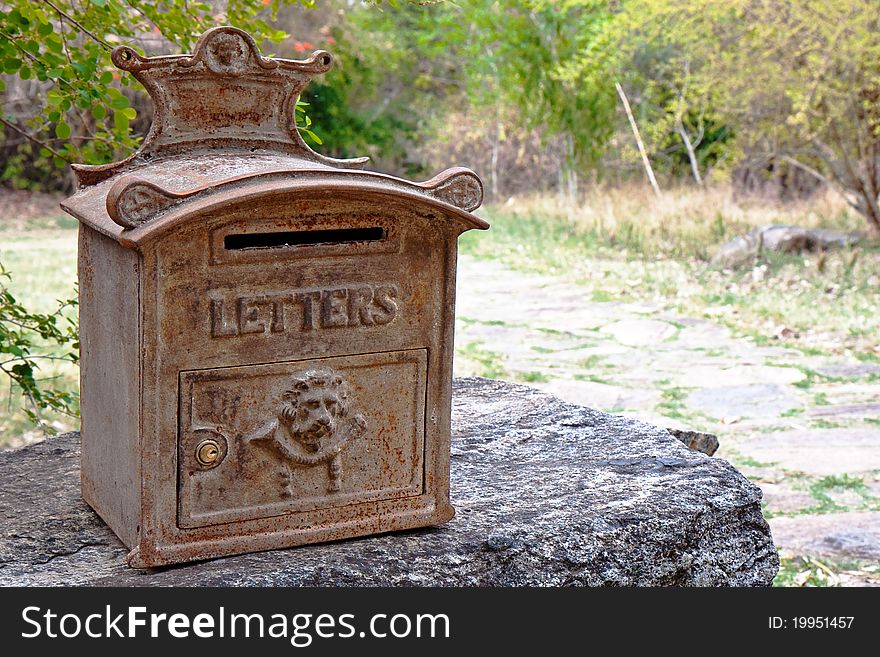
(459,186)
(132,201)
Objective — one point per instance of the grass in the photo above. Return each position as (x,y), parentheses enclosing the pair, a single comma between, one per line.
(470,321)
(475,359)
(824,489)
(673,405)
(532,377)
(821,423)
(591,362)
(593,378)
(743,461)
(803,571)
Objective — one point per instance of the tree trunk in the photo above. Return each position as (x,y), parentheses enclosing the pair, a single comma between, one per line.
(571,171)
(873,218)
(493,169)
(692,156)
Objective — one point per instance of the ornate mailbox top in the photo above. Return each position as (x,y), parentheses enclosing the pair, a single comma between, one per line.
(224,129)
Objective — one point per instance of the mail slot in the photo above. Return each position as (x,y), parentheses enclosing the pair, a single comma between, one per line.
(266,333)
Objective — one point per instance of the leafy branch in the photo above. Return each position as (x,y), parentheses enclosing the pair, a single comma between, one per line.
(28,338)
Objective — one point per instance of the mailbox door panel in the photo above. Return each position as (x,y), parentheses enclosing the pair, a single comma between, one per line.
(259,441)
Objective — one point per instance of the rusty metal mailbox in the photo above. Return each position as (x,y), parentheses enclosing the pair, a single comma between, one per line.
(266,333)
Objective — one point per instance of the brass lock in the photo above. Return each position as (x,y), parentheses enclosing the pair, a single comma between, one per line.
(208,452)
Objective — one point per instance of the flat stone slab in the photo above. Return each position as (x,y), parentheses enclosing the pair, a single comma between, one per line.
(850,535)
(756,400)
(638,332)
(817,451)
(547,494)
(851,369)
(710,376)
(782,499)
(602,395)
(843,410)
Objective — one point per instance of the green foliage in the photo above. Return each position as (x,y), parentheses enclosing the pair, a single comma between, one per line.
(489,55)
(26,339)
(353,116)
(519,53)
(797,81)
(85,112)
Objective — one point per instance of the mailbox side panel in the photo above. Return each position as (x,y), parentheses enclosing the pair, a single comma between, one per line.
(110,381)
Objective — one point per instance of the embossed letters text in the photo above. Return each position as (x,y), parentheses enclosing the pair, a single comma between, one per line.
(358,305)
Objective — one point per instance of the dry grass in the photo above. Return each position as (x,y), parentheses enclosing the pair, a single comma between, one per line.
(687,221)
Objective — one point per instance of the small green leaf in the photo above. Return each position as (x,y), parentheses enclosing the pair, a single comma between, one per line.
(55,43)
(120,122)
(130,113)
(311,135)
(62,130)
(54,96)
(99,112)
(119,102)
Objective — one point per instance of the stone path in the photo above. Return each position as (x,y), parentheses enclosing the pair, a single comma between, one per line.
(804,428)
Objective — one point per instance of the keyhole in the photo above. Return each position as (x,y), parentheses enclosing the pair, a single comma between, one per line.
(208,452)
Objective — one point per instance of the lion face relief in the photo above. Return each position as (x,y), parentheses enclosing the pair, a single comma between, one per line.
(313,408)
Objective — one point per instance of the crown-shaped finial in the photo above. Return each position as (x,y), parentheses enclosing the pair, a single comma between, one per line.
(225,95)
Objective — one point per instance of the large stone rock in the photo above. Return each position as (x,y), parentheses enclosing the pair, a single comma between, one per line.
(783,239)
(547,494)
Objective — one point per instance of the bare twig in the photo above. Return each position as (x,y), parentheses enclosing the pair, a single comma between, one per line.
(635,128)
(33,139)
(79,25)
